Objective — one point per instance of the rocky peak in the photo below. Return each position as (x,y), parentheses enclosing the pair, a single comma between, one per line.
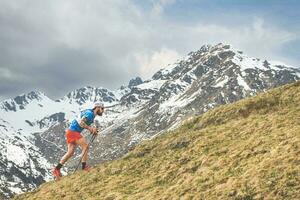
(93,94)
(207,55)
(134,82)
(19,102)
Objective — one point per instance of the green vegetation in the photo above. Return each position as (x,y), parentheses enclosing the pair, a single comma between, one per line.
(242,151)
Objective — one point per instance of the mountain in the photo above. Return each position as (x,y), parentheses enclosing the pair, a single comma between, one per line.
(212,76)
(138,111)
(21,164)
(245,150)
(25,155)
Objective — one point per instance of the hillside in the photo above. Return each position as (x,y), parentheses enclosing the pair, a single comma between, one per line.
(246,150)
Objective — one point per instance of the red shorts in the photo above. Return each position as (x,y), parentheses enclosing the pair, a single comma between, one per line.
(72,136)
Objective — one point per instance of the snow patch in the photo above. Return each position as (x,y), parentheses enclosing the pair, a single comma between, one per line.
(169,68)
(16,154)
(243,83)
(14,188)
(153,84)
(246,62)
(221,83)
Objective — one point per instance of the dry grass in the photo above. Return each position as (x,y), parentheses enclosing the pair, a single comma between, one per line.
(243,151)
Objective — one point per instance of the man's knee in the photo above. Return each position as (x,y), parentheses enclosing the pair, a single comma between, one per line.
(85,147)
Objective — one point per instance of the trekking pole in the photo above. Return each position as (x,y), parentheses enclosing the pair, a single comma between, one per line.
(91,141)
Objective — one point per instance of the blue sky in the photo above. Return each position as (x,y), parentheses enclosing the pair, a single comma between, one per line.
(275,14)
(74,43)
(284,14)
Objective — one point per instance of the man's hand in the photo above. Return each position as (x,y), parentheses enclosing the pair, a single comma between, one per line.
(94,130)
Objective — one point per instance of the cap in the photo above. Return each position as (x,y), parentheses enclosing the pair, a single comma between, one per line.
(98,104)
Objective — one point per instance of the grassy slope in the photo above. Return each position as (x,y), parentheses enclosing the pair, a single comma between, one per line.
(246,150)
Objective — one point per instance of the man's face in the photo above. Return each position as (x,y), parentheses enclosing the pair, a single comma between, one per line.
(100,111)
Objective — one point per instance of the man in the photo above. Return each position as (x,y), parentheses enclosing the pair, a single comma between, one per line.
(74,137)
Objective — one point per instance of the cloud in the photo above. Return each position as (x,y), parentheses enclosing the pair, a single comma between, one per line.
(256,38)
(149,64)
(67,44)
(57,46)
(158,6)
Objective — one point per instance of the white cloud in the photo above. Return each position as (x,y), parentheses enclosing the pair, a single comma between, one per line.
(114,39)
(255,39)
(149,64)
(159,5)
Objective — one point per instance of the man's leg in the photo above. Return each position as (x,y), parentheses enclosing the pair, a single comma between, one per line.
(69,154)
(84,149)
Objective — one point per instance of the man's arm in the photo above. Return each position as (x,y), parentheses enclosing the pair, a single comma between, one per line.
(83,124)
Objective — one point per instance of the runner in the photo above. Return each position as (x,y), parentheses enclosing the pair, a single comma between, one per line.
(74,138)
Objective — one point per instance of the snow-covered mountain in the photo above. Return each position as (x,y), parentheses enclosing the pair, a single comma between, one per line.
(212,76)
(21,164)
(24,163)
(32,125)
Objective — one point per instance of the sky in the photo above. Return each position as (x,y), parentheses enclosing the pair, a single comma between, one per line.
(57,46)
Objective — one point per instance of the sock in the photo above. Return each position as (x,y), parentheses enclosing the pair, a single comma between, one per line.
(83,165)
(58,166)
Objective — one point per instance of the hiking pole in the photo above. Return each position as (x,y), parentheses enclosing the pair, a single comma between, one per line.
(91,141)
